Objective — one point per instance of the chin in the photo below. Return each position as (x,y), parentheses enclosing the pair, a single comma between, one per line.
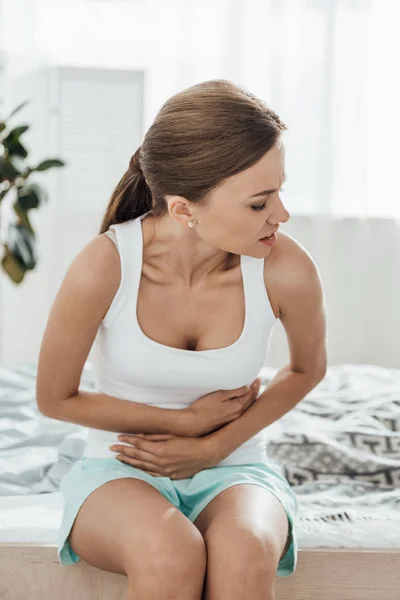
(263,253)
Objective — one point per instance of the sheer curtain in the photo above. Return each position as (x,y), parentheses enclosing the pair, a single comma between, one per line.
(328,67)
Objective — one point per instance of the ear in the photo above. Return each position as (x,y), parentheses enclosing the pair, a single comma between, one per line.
(179,208)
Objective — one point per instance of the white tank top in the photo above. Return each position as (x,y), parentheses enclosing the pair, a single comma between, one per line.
(130,366)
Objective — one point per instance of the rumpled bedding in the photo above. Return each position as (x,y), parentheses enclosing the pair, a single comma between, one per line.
(35,451)
(339,448)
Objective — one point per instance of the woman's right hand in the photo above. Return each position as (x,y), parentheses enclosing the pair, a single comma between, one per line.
(214,410)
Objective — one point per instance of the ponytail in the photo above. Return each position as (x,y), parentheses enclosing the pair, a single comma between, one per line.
(199,138)
(131,198)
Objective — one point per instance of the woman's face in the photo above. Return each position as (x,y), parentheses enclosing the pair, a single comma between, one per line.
(240,212)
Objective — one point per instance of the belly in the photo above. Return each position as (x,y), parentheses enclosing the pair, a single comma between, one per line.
(253,450)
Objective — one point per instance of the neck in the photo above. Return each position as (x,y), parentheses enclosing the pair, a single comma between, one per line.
(181,252)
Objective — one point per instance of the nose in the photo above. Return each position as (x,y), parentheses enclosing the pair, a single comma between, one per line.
(286,216)
(280,215)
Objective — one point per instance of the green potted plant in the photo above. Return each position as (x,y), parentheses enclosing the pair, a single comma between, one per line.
(19,248)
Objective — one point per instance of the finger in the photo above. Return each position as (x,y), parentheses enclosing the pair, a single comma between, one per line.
(244,390)
(137,454)
(150,446)
(139,464)
(255,392)
(251,394)
(129,438)
(155,437)
(255,388)
(248,403)
(239,393)
(248,400)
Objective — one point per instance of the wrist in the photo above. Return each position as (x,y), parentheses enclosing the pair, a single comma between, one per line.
(212,448)
(182,423)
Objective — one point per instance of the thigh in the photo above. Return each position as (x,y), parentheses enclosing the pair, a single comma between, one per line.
(122,522)
(242,512)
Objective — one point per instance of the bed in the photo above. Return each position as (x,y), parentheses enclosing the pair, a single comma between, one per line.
(339,449)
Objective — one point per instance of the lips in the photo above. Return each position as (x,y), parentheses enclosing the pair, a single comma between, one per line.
(270,234)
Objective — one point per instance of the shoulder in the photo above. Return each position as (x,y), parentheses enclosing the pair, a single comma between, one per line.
(95,272)
(290,274)
(98,257)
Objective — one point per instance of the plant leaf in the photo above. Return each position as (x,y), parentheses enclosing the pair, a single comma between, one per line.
(8,172)
(17,131)
(13,145)
(49,164)
(12,267)
(21,244)
(19,107)
(23,217)
(30,196)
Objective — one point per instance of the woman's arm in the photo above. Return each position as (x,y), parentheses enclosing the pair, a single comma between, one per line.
(81,303)
(100,411)
(296,282)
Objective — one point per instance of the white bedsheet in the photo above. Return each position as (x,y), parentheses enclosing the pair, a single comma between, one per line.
(35,519)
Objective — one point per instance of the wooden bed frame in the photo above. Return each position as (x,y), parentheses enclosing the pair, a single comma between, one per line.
(32,572)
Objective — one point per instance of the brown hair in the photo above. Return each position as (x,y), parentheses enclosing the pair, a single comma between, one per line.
(200,137)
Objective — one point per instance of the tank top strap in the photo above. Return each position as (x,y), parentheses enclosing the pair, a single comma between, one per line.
(258,305)
(130,248)
(129,240)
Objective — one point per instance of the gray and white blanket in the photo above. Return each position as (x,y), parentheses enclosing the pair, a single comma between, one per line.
(339,447)
(35,451)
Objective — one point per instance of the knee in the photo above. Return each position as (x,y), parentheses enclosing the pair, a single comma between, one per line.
(172,557)
(251,558)
(258,560)
(179,559)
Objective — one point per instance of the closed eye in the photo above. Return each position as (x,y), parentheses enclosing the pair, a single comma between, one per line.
(259,207)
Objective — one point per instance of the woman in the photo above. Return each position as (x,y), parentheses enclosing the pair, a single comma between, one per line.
(180,292)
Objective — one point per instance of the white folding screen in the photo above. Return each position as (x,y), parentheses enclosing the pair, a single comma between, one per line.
(93,120)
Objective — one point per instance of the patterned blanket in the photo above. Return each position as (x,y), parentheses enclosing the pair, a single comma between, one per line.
(340,446)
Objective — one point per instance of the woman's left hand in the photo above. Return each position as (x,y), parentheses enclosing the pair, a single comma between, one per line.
(164,455)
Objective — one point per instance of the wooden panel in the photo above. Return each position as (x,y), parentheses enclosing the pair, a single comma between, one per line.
(348,574)
(30,572)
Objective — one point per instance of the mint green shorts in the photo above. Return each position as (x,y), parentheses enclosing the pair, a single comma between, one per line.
(190,495)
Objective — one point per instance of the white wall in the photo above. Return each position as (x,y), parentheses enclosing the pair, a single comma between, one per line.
(359,262)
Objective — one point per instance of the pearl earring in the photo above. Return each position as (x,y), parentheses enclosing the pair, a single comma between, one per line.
(191,223)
